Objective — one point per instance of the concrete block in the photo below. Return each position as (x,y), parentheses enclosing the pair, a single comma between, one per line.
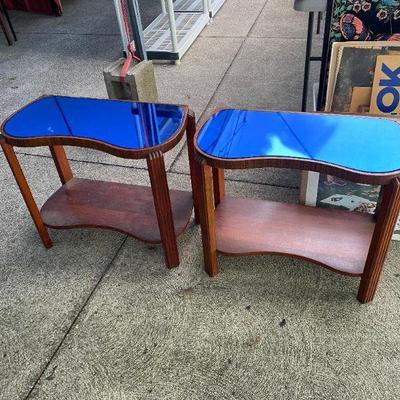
(139,83)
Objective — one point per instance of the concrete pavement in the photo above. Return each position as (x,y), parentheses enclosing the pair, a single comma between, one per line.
(99,316)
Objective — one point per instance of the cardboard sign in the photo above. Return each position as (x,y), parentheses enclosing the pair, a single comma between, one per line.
(360,100)
(385,97)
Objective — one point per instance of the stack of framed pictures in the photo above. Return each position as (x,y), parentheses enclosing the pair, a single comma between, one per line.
(356,20)
(364,78)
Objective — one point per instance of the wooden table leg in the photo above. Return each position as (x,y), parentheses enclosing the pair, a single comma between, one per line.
(207,218)
(194,166)
(10,24)
(386,221)
(5,25)
(62,164)
(162,204)
(26,193)
(219,185)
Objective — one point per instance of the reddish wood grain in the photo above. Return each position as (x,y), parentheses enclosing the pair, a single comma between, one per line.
(61,163)
(162,205)
(193,165)
(5,25)
(26,192)
(218,185)
(207,219)
(387,215)
(332,238)
(124,208)
(346,242)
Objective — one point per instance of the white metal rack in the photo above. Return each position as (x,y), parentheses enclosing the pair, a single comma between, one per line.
(189,5)
(171,34)
(215,6)
(121,25)
(160,44)
(196,5)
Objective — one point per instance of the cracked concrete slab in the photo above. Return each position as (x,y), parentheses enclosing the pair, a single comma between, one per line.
(53,64)
(75,19)
(257,79)
(229,22)
(101,15)
(265,328)
(279,20)
(41,291)
(150,333)
(195,80)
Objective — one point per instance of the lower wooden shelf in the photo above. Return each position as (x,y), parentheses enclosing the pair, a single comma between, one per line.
(335,239)
(124,208)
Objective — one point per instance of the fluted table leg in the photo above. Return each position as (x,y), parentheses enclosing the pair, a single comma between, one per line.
(207,217)
(194,166)
(388,213)
(162,204)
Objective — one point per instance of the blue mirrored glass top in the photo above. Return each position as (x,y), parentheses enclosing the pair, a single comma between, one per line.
(365,144)
(119,123)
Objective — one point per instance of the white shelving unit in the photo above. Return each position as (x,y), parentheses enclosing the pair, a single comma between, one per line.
(171,34)
(215,5)
(157,36)
(196,5)
(189,5)
(122,29)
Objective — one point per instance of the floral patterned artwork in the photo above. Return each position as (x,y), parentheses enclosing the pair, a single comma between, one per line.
(365,20)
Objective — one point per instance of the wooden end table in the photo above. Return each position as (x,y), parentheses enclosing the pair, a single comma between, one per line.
(121,128)
(362,149)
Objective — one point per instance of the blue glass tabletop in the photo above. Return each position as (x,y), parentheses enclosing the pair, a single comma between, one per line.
(366,144)
(122,124)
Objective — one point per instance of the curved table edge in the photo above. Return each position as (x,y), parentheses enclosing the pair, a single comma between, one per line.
(120,152)
(294,162)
